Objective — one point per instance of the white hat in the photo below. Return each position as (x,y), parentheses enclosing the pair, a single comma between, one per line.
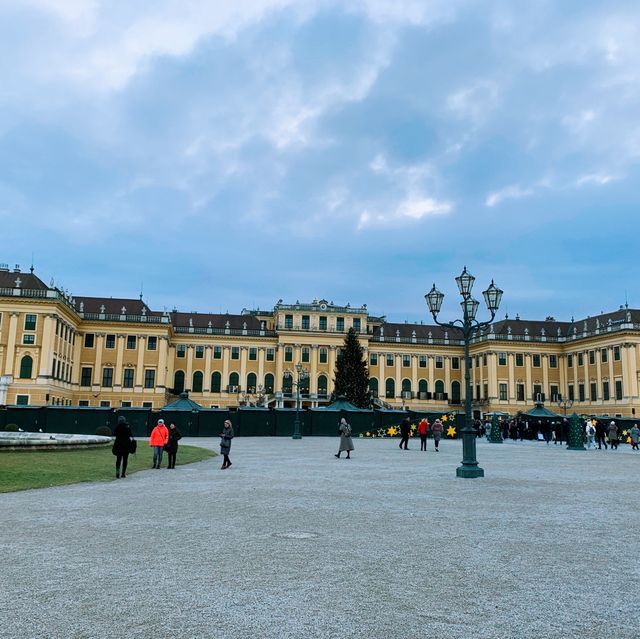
(161,421)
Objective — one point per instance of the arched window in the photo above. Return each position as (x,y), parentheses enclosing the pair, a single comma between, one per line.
(305,354)
(178,382)
(455,391)
(322,385)
(304,386)
(439,386)
(423,387)
(251,383)
(406,385)
(26,367)
(216,382)
(197,382)
(373,386)
(234,383)
(390,388)
(268,383)
(287,384)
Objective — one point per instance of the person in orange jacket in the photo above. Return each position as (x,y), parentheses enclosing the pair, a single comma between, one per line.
(159,437)
(423,429)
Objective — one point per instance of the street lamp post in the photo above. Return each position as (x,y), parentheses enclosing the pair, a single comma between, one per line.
(468,325)
(564,404)
(302,375)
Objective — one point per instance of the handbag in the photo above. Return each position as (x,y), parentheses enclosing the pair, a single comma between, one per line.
(133,446)
(166,447)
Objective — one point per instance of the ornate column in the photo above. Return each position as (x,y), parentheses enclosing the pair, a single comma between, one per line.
(141,343)
(225,368)
(277,384)
(512,376)
(243,368)
(117,378)
(161,378)
(261,355)
(9,360)
(313,375)
(206,386)
(188,377)
(97,369)
(5,381)
(493,376)
(46,350)
(414,374)
(528,390)
(545,376)
(332,368)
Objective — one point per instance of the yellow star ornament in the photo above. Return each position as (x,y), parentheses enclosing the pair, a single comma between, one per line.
(451,431)
(392,432)
(444,418)
(628,440)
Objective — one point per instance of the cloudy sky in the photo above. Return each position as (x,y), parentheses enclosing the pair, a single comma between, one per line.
(228,154)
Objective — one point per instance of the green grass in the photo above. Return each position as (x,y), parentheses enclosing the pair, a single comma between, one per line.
(21,470)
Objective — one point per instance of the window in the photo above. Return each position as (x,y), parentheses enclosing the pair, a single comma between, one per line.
(253,353)
(196,386)
(592,357)
(502,359)
(288,354)
(502,388)
(373,386)
(131,342)
(390,359)
(217,352)
(30,322)
(216,382)
(605,391)
(271,354)
(234,383)
(484,359)
(252,383)
(181,350)
(110,341)
(406,361)
(147,404)
(569,361)
(477,391)
(580,359)
(520,392)
(604,358)
(537,393)
(593,391)
(178,382)
(83,402)
(373,359)
(535,360)
(288,321)
(28,338)
(323,323)
(105,403)
(305,354)
(268,383)
(422,361)
(519,359)
(581,395)
(478,362)
(88,340)
(572,393)
(107,377)
(455,363)
(618,389)
(323,356)
(22,400)
(152,343)
(199,352)
(553,361)
(439,361)
(339,324)
(127,378)
(305,322)
(616,353)
(85,376)
(356,324)
(390,388)
(235,352)
(26,367)
(554,393)
(125,404)
(149,378)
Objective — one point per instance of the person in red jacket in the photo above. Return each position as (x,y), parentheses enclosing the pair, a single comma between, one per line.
(159,437)
(423,428)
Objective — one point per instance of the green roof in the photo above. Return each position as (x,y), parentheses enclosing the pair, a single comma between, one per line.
(183,403)
(540,411)
(341,404)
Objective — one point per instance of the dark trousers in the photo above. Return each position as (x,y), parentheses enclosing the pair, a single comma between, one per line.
(601,441)
(121,460)
(172,458)
(423,442)
(405,441)
(614,444)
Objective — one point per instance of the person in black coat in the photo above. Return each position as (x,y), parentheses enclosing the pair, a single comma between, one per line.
(405,429)
(122,445)
(172,445)
(600,434)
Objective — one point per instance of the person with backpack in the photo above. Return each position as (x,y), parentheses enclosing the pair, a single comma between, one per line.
(159,437)
(122,445)
(590,433)
(346,443)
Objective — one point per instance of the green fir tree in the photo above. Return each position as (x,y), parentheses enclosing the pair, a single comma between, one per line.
(352,376)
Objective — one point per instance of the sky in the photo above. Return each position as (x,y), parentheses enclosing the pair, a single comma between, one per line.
(225,155)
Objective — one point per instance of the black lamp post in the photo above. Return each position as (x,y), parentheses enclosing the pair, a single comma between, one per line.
(565,404)
(467,325)
(302,374)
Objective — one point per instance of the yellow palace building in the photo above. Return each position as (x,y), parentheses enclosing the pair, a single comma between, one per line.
(92,351)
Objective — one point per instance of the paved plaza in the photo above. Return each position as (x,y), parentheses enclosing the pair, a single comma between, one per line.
(291,542)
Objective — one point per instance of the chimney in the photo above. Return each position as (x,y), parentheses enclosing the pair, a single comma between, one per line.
(17,268)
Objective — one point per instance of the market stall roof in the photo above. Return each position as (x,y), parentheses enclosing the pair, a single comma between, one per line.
(341,404)
(541,411)
(183,403)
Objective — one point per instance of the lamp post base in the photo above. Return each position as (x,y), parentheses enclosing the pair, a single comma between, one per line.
(469,472)
(296,436)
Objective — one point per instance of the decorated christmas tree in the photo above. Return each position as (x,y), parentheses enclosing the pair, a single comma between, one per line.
(351,374)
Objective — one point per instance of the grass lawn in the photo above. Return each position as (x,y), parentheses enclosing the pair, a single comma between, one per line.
(21,470)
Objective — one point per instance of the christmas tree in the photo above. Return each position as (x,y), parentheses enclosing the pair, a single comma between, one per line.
(352,377)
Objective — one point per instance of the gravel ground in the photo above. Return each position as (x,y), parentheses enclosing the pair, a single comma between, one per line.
(291,542)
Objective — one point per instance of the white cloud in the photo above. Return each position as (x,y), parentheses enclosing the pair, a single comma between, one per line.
(599,179)
(513,192)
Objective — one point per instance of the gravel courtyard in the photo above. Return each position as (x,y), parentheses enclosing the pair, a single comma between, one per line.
(291,542)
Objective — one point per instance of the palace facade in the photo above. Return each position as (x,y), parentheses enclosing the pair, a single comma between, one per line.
(92,351)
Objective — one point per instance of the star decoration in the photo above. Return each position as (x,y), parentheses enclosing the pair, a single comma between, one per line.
(392,431)
(451,431)
(444,418)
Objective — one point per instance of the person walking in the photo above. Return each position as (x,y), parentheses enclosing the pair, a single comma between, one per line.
(634,433)
(405,429)
(600,437)
(346,443)
(122,445)
(436,429)
(613,435)
(172,444)
(225,443)
(423,429)
(159,437)
(590,433)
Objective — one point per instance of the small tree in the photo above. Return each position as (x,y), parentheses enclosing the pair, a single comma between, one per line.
(351,374)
